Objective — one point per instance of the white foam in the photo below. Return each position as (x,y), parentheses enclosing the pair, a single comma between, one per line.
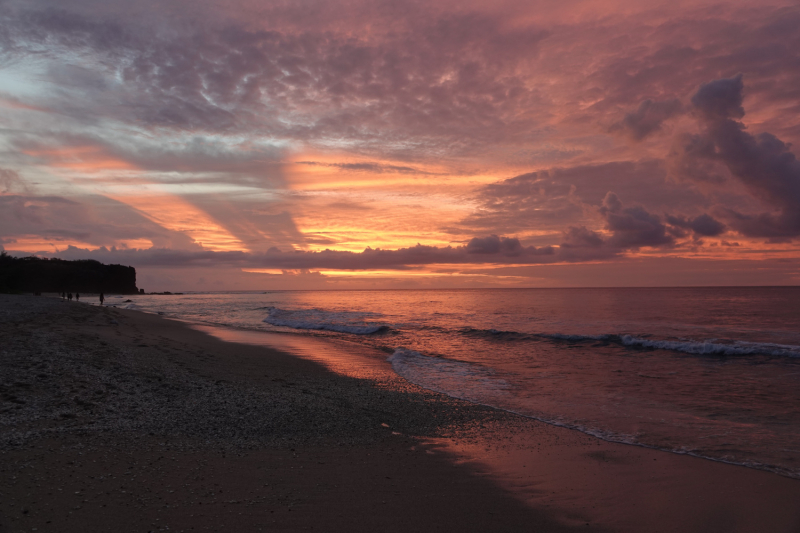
(319,320)
(713,348)
(458,379)
(477,384)
(518,335)
(300,324)
(570,337)
(710,347)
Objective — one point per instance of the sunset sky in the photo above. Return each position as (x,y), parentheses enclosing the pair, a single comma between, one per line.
(243,144)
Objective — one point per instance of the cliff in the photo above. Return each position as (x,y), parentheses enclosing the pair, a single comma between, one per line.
(34,274)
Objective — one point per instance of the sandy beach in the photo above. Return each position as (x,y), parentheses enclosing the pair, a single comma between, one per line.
(117,420)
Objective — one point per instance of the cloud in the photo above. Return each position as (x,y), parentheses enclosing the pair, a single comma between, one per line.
(430,77)
(582,237)
(720,99)
(11,182)
(92,220)
(493,244)
(436,79)
(555,198)
(197,158)
(704,225)
(633,227)
(116,96)
(349,206)
(692,158)
(648,118)
(581,244)
(628,229)
(375,168)
(762,163)
(479,250)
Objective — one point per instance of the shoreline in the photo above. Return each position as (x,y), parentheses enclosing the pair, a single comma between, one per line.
(333,361)
(339,360)
(446,463)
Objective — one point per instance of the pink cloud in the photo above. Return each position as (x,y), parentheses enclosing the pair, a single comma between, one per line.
(611,128)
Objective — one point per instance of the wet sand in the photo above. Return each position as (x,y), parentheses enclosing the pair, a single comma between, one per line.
(117,420)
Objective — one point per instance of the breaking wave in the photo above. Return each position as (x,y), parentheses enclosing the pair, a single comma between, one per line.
(480,384)
(458,379)
(694,347)
(713,348)
(320,320)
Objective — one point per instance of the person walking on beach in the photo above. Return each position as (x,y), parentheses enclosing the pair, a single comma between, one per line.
(77,297)
(101,298)
(69,296)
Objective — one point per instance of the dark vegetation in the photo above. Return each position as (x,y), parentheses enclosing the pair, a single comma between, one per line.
(36,275)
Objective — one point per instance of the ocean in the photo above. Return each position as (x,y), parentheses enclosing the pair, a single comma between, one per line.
(710,372)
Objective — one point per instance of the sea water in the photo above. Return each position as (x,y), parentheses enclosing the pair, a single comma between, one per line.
(712,372)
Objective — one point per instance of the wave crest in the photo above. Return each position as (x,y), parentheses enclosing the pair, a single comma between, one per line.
(713,348)
(320,320)
(693,347)
(458,379)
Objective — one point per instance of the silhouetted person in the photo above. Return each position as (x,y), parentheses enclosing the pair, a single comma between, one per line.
(102,298)
(77,297)
(63,295)
(69,296)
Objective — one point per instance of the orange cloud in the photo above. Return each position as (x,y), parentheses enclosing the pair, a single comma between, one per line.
(36,243)
(176,214)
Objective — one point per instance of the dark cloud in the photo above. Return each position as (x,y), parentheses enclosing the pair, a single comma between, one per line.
(704,225)
(633,227)
(582,237)
(64,234)
(692,158)
(377,168)
(720,99)
(762,162)
(582,244)
(544,199)
(555,198)
(493,244)
(480,250)
(764,44)
(648,118)
(349,206)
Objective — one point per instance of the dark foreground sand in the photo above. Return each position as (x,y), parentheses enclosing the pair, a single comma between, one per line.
(114,420)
